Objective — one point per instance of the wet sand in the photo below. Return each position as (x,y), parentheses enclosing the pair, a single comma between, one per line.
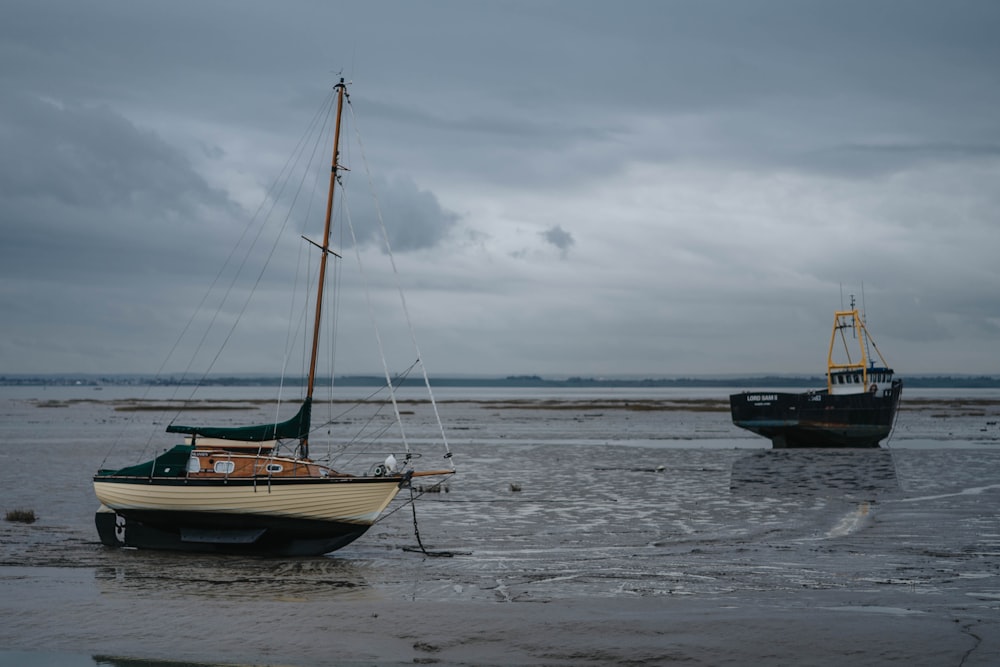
(645,535)
(830,628)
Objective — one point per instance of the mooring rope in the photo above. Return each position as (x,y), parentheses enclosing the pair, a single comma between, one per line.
(416,531)
(412,502)
(399,286)
(371,314)
(272,194)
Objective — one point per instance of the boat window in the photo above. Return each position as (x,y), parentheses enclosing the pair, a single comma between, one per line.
(274,467)
(193,464)
(224,467)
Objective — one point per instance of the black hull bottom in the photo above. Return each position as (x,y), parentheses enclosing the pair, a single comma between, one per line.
(224,534)
(818,419)
(822,436)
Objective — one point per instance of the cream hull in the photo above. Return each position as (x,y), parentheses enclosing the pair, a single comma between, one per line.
(353,500)
(292,517)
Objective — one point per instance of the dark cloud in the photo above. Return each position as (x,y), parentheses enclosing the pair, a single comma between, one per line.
(84,192)
(559,237)
(414,218)
(865,160)
(91,157)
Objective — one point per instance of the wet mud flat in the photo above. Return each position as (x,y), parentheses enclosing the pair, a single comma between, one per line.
(592,534)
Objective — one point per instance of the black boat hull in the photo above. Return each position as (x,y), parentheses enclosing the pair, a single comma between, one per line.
(220,533)
(817,418)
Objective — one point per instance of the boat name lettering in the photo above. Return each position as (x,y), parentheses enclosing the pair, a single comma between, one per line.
(753,398)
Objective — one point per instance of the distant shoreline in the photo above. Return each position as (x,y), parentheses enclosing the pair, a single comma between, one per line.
(969,406)
(513,381)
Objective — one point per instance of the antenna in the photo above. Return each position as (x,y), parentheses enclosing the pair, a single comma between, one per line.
(854,327)
(864,322)
(863,309)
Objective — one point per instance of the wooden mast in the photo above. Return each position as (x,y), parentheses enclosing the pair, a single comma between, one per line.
(325,247)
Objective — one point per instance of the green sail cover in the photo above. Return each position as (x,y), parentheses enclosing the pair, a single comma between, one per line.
(295,428)
(172,463)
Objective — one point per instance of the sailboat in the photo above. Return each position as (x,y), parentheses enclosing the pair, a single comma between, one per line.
(239,489)
(856,410)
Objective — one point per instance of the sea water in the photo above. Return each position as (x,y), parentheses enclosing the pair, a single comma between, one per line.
(583,527)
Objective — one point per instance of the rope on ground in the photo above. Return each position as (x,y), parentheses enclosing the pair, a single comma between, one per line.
(416,530)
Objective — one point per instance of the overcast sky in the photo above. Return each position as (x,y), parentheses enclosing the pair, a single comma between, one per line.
(572,188)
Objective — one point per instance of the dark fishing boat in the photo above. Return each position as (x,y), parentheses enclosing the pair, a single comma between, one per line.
(254,489)
(857,408)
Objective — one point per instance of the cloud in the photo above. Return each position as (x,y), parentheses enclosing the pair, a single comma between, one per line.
(414,218)
(559,237)
(725,167)
(84,193)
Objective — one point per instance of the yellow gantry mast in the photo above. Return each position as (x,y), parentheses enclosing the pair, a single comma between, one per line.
(840,322)
(856,322)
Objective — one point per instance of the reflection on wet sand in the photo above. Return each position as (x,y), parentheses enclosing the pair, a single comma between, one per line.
(113,661)
(850,473)
(293,580)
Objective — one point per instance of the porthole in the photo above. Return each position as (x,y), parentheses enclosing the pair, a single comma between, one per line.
(224,467)
(274,468)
